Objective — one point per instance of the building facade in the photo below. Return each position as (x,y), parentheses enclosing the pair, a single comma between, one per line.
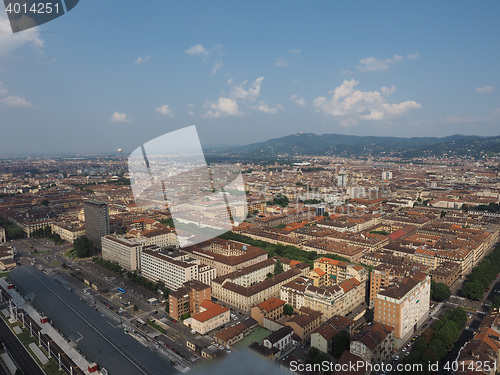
(96,221)
(404,306)
(122,251)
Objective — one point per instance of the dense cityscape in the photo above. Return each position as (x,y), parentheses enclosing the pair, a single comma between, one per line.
(369,265)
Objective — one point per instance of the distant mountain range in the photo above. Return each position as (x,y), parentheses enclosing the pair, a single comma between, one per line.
(352,145)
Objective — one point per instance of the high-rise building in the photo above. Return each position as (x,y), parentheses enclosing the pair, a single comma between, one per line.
(96,221)
(3,237)
(387,175)
(341,180)
(404,305)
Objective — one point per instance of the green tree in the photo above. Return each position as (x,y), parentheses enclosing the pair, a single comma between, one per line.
(135,308)
(440,291)
(83,247)
(443,214)
(45,202)
(278,267)
(281,200)
(496,302)
(47,231)
(473,290)
(312,354)
(288,310)
(341,342)
(185,316)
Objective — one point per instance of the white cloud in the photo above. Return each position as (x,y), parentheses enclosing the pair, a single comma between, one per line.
(387,91)
(280,62)
(263,107)
(10,41)
(371,64)
(16,101)
(142,60)
(209,55)
(13,100)
(484,90)
(197,50)
(217,66)
(191,113)
(119,117)
(249,94)
(223,107)
(352,105)
(295,50)
(165,110)
(300,101)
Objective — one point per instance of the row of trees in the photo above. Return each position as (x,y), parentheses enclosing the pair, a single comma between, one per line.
(12,231)
(134,277)
(436,341)
(287,251)
(482,275)
(439,291)
(47,233)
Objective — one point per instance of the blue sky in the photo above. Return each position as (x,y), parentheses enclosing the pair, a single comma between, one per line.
(118,73)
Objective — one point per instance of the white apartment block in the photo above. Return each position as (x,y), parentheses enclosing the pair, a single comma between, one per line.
(122,251)
(206,274)
(173,268)
(3,237)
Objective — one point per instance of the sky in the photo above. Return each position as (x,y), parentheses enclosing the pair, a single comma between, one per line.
(118,73)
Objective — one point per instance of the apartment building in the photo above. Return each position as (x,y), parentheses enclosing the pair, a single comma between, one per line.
(374,343)
(161,237)
(244,297)
(3,236)
(338,299)
(305,322)
(404,305)
(68,231)
(210,317)
(338,271)
(122,251)
(384,274)
(271,309)
(447,273)
(226,256)
(322,337)
(351,252)
(188,299)
(172,268)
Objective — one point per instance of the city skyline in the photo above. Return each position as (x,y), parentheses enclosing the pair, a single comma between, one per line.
(246,73)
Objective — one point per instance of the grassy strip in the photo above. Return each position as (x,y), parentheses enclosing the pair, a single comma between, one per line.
(156,326)
(51,368)
(39,252)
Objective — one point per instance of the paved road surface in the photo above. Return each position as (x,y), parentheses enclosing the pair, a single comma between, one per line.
(18,351)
